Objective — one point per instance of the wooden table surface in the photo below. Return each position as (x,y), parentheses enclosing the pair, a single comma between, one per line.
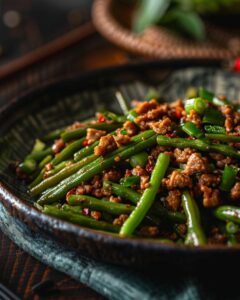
(19,271)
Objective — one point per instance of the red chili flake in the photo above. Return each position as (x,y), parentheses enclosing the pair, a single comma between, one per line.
(236,66)
(178,113)
(85,143)
(101,119)
(71,192)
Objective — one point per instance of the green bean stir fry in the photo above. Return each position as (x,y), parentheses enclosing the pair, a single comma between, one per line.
(168,171)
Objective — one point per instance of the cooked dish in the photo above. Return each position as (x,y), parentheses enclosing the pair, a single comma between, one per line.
(165,171)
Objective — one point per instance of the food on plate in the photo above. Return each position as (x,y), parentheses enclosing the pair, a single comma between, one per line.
(168,171)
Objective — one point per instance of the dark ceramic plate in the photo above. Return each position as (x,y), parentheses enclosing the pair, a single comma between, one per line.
(60,103)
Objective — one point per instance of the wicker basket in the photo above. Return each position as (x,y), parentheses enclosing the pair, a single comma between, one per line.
(158,42)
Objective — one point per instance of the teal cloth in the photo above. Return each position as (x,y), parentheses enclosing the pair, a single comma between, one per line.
(115,282)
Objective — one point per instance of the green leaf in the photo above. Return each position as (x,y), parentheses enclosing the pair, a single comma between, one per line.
(149,13)
(190,23)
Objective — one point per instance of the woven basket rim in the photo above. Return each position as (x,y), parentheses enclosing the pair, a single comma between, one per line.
(112,30)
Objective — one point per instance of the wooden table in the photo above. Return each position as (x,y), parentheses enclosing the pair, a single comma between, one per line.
(20,271)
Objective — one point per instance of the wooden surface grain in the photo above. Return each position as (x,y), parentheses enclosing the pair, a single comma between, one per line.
(18,270)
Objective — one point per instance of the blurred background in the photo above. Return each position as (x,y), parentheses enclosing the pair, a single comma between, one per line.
(29,24)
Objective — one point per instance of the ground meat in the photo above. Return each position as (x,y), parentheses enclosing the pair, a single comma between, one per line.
(148,231)
(84,189)
(121,139)
(112,175)
(221,160)
(176,110)
(94,135)
(139,171)
(229,117)
(106,144)
(145,106)
(196,164)
(182,156)
(236,118)
(144,182)
(173,200)
(195,118)
(211,197)
(96,181)
(131,128)
(115,199)
(58,146)
(100,193)
(152,115)
(150,164)
(235,191)
(162,127)
(120,220)
(48,167)
(210,180)
(97,215)
(177,180)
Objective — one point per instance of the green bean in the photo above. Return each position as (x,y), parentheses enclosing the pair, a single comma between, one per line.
(130,180)
(197,104)
(215,129)
(41,169)
(38,146)
(132,115)
(192,130)
(205,94)
(139,159)
(88,150)
(223,137)
(101,205)
(232,228)
(134,197)
(45,161)
(122,191)
(64,173)
(80,132)
(213,116)
(114,117)
(39,155)
(50,173)
(79,219)
(229,177)
(28,166)
(147,197)
(68,151)
(53,135)
(195,235)
(146,139)
(228,213)
(201,145)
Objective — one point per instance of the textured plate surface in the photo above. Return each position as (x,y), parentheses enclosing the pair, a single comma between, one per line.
(61,103)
